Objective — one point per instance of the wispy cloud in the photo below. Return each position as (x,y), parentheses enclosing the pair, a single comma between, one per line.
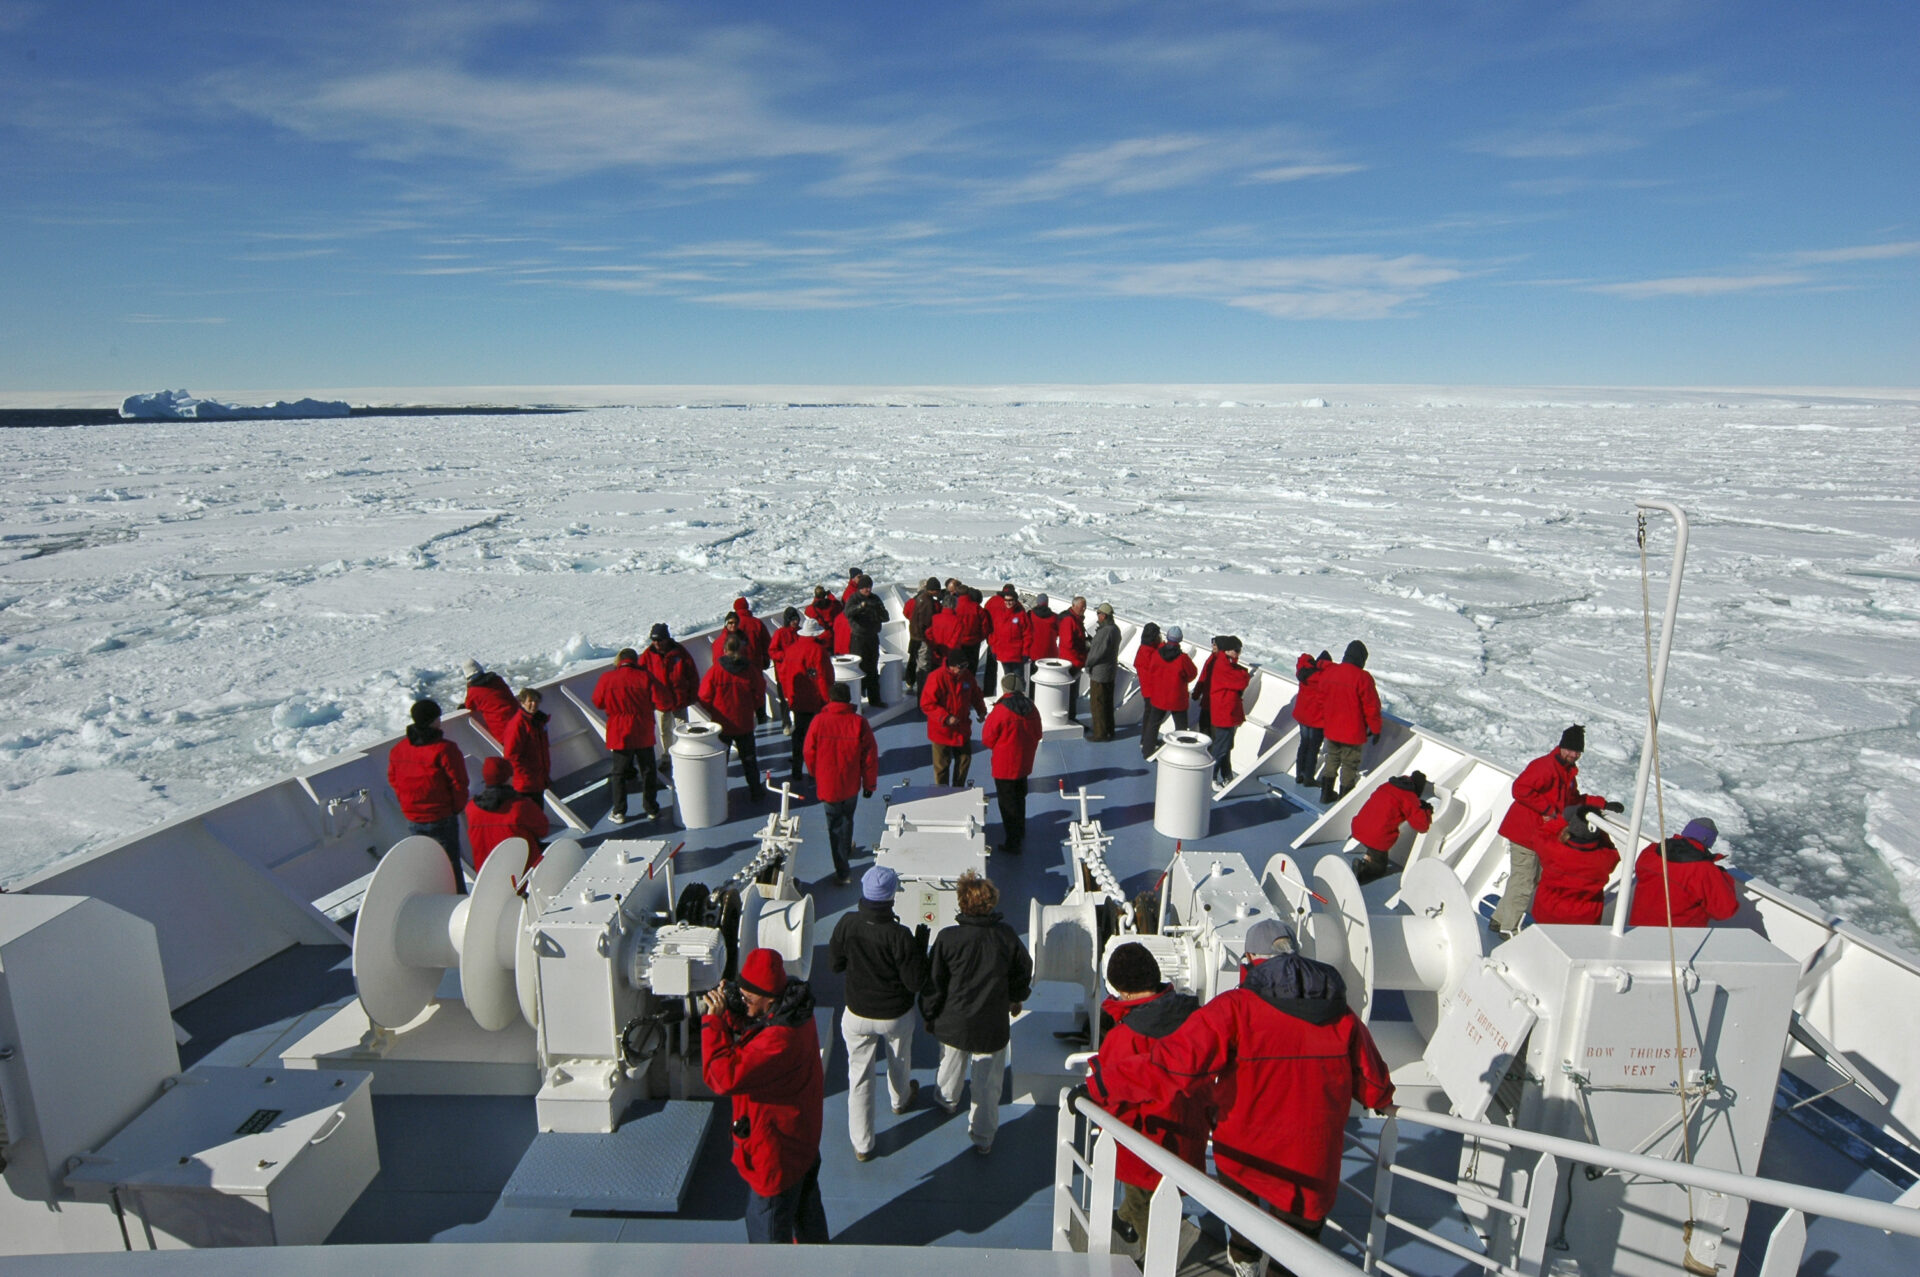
(1629,119)
(1164,161)
(1701,285)
(173,319)
(708,107)
(1859,253)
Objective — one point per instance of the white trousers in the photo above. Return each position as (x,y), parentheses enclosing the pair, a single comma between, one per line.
(863,1038)
(957,1069)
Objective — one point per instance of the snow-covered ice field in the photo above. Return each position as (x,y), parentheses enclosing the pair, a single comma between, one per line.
(190,609)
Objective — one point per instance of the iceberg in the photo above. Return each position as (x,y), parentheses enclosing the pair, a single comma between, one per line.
(178,405)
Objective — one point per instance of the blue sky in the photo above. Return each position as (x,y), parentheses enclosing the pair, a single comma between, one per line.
(276,194)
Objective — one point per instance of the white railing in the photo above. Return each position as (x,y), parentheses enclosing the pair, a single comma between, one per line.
(1089,1203)
(1084,1193)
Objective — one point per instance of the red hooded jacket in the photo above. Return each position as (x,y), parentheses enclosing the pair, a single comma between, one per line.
(1012,732)
(823,610)
(491,701)
(755,630)
(1377,825)
(1011,630)
(527,749)
(675,680)
(1226,703)
(1541,793)
(772,1071)
(496,814)
(945,632)
(1703,892)
(782,638)
(1573,880)
(1165,673)
(1043,638)
(730,692)
(1349,703)
(806,673)
(841,754)
(1071,641)
(975,624)
(625,694)
(1177,1122)
(951,694)
(428,775)
(1286,1059)
(1309,705)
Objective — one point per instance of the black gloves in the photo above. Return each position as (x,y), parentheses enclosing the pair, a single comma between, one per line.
(920,934)
(1079,1092)
(1373,738)
(1616,807)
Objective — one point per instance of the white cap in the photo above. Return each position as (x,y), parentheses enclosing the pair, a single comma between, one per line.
(1173,634)
(810,628)
(471,668)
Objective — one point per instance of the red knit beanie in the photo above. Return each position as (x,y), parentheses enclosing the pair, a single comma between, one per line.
(763,972)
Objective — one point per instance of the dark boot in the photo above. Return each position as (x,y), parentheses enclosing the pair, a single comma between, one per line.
(1370,867)
(1326,789)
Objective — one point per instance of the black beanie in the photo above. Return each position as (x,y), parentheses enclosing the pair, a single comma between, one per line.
(425,712)
(1132,968)
(1356,654)
(1574,738)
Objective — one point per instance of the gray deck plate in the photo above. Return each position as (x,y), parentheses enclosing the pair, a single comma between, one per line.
(643,1166)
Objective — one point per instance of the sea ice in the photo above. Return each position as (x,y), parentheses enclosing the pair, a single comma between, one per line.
(255,597)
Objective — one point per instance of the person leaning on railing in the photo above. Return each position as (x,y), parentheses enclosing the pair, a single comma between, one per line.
(1286,1059)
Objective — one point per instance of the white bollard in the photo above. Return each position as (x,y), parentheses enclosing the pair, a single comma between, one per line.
(1053,678)
(700,775)
(1183,786)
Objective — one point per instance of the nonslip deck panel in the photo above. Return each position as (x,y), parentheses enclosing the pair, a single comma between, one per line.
(643,1166)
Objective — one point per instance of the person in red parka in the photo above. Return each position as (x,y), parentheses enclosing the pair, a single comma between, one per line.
(1143,1009)
(784,636)
(758,1045)
(946,634)
(1349,718)
(1043,639)
(625,694)
(806,675)
(844,760)
(527,749)
(950,699)
(496,814)
(1701,890)
(1012,626)
(972,624)
(1541,793)
(490,700)
(676,684)
(429,777)
(1309,714)
(823,608)
(1285,1059)
(1226,688)
(728,694)
(754,630)
(1165,674)
(1070,643)
(853,586)
(1574,870)
(1012,732)
(1376,827)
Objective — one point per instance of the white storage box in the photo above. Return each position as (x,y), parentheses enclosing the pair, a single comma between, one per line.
(240,1157)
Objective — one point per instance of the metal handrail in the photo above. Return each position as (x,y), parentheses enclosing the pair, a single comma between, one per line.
(1810,1201)
(1303,1255)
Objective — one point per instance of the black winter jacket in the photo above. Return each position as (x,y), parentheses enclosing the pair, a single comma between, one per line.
(978,969)
(885,964)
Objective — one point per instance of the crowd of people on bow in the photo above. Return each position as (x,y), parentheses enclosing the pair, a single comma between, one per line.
(1266,1071)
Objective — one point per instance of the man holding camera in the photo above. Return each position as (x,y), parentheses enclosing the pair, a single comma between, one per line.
(759,1046)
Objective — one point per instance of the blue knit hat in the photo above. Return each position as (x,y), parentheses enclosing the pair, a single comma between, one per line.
(1702,831)
(879,883)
